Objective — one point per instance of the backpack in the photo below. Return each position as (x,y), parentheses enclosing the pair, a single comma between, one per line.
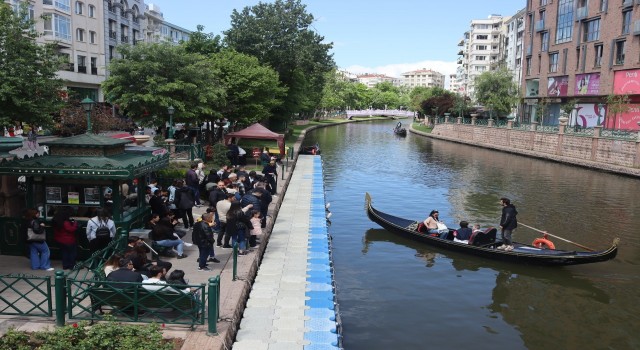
(103,232)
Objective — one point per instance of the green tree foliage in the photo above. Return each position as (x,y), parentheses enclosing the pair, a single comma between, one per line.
(29,88)
(279,35)
(439,104)
(151,77)
(616,105)
(497,91)
(252,90)
(203,43)
(425,101)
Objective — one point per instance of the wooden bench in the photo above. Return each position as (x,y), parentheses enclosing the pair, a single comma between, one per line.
(137,302)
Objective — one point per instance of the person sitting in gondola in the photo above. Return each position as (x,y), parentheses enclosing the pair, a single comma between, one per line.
(430,224)
(463,234)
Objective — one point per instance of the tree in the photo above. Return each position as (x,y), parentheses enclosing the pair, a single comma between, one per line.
(439,104)
(29,88)
(251,90)
(616,105)
(151,77)
(203,43)
(72,120)
(279,35)
(496,90)
(423,102)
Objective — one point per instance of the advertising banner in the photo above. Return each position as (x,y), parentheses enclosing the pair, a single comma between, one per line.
(588,115)
(587,84)
(557,86)
(626,82)
(627,120)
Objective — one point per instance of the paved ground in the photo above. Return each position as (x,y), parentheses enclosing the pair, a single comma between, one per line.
(233,293)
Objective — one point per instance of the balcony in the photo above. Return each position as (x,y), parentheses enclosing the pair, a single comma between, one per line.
(461,43)
(581,13)
(459,62)
(68,67)
(460,53)
(539,25)
(113,34)
(124,38)
(94,70)
(82,69)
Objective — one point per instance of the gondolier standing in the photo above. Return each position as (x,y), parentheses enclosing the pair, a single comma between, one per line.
(508,223)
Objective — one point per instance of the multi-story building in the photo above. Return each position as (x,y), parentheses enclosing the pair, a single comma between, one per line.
(157,29)
(580,52)
(513,43)
(423,77)
(454,84)
(87,33)
(370,80)
(480,51)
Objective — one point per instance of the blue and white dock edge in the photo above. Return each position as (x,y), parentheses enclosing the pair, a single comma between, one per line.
(292,304)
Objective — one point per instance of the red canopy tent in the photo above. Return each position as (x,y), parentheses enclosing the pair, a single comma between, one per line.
(256,131)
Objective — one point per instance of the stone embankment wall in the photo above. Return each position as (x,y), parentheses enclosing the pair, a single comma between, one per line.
(618,156)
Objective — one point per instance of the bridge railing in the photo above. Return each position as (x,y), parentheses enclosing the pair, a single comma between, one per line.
(385,112)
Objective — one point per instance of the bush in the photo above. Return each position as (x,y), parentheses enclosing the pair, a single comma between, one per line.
(102,336)
(218,155)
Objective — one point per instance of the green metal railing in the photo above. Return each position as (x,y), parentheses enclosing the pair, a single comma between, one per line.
(619,134)
(25,295)
(186,151)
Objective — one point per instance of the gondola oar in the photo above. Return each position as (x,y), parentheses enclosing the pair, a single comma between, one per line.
(560,238)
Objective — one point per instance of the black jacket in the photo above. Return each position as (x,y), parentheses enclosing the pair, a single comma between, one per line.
(185,199)
(232,225)
(202,234)
(158,205)
(216,195)
(250,198)
(508,221)
(124,275)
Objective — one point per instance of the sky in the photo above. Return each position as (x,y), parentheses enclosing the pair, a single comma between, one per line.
(369,36)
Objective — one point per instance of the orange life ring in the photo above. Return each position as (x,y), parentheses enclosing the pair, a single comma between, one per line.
(543,243)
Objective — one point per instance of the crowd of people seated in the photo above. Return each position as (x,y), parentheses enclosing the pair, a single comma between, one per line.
(465,234)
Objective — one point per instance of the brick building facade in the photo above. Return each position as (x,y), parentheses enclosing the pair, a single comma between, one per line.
(582,51)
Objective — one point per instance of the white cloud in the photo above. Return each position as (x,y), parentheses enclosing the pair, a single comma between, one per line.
(396,69)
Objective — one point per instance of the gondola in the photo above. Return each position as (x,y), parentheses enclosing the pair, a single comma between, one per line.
(485,243)
(399,130)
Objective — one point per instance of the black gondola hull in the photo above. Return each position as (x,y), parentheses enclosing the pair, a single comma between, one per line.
(523,254)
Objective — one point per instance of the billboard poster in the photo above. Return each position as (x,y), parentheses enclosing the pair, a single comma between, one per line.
(626,82)
(588,115)
(587,84)
(627,120)
(532,86)
(557,86)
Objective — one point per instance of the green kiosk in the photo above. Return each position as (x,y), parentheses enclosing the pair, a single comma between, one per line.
(84,172)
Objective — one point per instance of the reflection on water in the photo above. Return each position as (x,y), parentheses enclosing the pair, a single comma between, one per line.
(397,293)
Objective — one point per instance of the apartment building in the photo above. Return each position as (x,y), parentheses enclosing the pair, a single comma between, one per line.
(454,84)
(87,33)
(513,44)
(157,29)
(480,51)
(423,77)
(370,80)
(582,51)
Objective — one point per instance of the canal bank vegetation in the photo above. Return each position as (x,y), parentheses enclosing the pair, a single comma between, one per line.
(421,127)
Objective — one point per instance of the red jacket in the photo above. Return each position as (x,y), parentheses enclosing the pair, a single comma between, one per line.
(66,234)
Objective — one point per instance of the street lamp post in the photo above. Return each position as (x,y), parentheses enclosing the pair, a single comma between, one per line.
(171,110)
(87,105)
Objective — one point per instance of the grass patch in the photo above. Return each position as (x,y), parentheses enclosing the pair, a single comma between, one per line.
(421,127)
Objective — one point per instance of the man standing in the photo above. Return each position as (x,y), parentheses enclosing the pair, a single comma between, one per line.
(508,223)
(191,180)
(222,207)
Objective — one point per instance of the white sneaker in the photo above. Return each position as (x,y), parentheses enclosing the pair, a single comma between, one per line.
(508,248)
(50,269)
(501,247)
(188,244)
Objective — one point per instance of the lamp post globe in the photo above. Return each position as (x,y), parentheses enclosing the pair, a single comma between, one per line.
(171,110)
(87,105)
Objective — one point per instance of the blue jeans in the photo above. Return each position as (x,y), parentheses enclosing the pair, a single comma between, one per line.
(196,193)
(205,251)
(241,239)
(173,243)
(39,255)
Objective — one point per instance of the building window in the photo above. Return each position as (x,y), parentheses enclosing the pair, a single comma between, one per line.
(620,51)
(482,37)
(598,53)
(64,5)
(481,58)
(47,2)
(528,65)
(603,5)
(92,37)
(92,11)
(79,8)
(578,57)
(82,64)
(553,62)
(564,28)
(79,34)
(592,30)
(626,21)
(544,42)
(57,25)
(543,2)
(94,65)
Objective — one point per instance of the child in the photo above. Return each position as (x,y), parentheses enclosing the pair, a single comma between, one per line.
(257,229)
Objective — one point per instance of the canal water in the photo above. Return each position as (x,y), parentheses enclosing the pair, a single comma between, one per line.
(395,293)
